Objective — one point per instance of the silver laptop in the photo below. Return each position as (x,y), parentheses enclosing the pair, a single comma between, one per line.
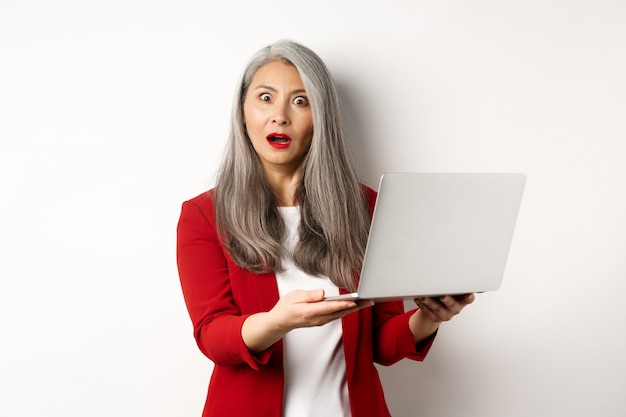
(434,234)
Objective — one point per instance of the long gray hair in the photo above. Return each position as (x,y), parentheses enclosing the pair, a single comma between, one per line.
(334,213)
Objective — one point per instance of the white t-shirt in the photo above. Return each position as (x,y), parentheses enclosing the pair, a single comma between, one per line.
(314,362)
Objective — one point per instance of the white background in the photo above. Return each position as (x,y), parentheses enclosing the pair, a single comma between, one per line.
(114,112)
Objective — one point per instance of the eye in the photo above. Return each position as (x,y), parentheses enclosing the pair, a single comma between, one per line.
(300,101)
(266,97)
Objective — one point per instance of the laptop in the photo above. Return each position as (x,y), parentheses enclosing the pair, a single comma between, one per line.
(436,234)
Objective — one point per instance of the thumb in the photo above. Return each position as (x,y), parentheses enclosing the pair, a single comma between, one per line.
(316,295)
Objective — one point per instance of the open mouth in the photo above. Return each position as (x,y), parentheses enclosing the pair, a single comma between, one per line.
(278,140)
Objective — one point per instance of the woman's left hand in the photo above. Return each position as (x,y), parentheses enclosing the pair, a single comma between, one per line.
(434,310)
(438,309)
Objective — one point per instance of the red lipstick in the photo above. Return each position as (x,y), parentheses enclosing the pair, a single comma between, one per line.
(278,140)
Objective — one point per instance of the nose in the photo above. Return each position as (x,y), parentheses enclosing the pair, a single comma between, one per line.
(279,120)
(281,114)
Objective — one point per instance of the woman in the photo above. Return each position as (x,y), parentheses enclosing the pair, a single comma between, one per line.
(286,226)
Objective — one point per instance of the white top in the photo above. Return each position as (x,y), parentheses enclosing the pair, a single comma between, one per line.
(314,362)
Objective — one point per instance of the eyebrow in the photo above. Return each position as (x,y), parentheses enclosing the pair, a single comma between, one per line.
(269,87)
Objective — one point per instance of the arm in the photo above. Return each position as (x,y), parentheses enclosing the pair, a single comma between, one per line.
(397,334)
(230,326)
(294,310)
(205,277)
(391,335)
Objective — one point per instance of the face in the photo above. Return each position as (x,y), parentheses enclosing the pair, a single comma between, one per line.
(278,117)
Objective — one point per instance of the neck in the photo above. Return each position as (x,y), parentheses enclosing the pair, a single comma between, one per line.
(285,185)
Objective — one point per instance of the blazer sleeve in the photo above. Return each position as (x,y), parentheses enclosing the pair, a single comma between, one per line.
(392,337)
(204,274)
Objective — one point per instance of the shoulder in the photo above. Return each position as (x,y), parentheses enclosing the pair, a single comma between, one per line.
(200,206)
(204,201)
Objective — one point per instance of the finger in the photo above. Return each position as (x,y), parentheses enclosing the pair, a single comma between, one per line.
(314,295)
(434,304)
(431,315)
(443,308)
(429,308)
(365,303)
(447,300)
(306,296)
(360,304)
(325,307)
(469,298)
(456,304)
(353,308)
(322,319)
(451,304)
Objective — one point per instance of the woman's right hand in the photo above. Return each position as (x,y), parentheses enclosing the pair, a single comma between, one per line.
(296,309)
(308,308)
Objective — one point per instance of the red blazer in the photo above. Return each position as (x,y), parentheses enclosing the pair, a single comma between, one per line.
(220,295)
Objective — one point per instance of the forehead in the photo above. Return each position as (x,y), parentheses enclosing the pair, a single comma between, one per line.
(277,73)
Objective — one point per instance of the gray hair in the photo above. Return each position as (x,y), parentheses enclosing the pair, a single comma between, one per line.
(334,212)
